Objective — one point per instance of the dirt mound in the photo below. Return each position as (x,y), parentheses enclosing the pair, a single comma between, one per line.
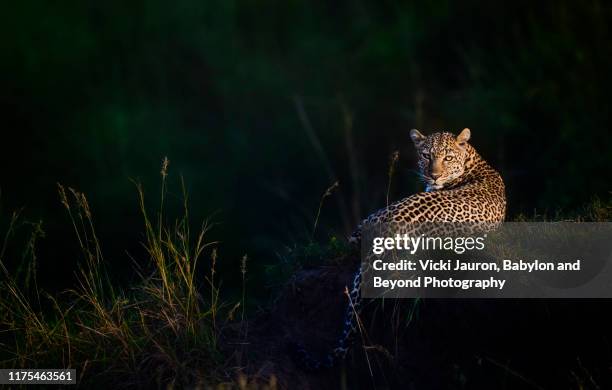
(431,344)
(310,310)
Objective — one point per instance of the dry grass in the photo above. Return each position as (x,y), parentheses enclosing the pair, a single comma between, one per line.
(328,192)
(392,167)
(163,332)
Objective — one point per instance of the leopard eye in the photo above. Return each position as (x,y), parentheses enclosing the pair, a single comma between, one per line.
(425,154)
(448,158)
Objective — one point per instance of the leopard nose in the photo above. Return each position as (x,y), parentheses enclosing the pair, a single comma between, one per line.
(435,175)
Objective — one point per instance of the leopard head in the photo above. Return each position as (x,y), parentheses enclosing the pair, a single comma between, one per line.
(441,157)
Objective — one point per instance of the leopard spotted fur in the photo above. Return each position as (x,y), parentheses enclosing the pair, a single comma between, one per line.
(460,187)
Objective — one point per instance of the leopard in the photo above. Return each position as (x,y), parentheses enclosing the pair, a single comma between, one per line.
(460,187)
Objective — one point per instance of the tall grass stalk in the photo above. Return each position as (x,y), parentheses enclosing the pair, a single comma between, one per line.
(243,271)
(328,192)
(162,331)
(392,165)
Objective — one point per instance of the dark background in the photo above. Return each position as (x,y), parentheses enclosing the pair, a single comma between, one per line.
(262,105)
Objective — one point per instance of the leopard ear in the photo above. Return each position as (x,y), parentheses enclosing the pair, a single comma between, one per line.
(417,137)
(463,137)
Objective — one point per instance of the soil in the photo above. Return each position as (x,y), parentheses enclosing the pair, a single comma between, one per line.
(431,344)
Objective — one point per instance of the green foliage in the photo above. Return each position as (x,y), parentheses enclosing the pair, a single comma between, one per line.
(306,255)
(162,331)
(597,210)
(314,253)
(213,85)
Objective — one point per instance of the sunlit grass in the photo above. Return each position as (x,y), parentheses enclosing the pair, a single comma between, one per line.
(163,331)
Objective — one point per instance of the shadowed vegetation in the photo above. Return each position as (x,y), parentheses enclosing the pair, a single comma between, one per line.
(289,120)
(161,331)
